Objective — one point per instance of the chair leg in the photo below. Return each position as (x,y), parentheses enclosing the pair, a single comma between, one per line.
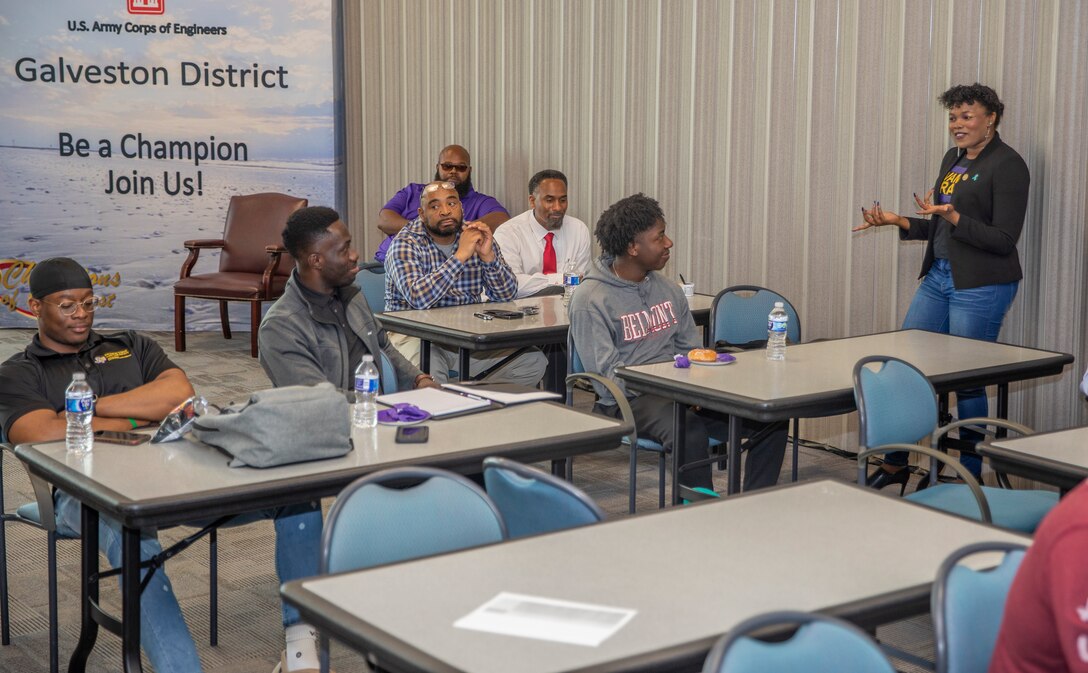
(213,589)
(179,323)
(224,318)
(255,324)
(631,481)
(54,656)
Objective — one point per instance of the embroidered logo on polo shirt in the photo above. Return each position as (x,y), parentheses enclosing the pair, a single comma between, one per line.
(115,355)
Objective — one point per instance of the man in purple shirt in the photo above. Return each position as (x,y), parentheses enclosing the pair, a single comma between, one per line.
(454,166)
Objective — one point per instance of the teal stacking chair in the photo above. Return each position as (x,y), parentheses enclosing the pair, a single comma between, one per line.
(371,280)
(738,321)
(576,370)
(534,502)
(821,644)
(401,514)
(968,605)
(897,406)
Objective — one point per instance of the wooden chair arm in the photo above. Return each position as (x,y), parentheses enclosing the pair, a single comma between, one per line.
(274,252)
(205,243)
(195,246)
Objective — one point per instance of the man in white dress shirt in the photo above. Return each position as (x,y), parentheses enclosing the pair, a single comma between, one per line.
(538,243)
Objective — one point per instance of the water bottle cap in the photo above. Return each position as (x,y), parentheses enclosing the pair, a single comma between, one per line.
(778,304)
(368,358)
(79,376)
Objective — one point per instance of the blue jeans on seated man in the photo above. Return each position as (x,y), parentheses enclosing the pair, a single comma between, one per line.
(163,634)
(976,313)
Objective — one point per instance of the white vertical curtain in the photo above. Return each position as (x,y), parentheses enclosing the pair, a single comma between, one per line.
(762,126)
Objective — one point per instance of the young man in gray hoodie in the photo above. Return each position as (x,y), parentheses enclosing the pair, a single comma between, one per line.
(625,313)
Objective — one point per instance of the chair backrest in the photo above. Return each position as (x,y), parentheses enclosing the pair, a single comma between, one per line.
(967,607)
(371,280)
(896,402)
(821,644)
(387,374)
(254,221)
(406,513)
(739,313)
(534,502)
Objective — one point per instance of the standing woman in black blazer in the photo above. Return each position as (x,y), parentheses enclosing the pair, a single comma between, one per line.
(972,219)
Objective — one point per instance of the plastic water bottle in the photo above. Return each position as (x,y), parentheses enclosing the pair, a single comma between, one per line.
(571,279)
(777,322)
(79,408)
(365,413)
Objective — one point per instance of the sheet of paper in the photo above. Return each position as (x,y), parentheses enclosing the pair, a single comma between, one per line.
(436,401)
(546,619)
(504,393)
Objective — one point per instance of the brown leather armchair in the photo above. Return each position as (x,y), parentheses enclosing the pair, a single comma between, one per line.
(253,265)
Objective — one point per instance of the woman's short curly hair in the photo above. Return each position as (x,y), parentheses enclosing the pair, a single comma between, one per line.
(965,94)
(624,220)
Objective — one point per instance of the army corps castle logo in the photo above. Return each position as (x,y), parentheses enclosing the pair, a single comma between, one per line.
(146,6)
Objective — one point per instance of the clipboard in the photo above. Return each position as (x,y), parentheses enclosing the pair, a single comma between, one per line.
(439,402)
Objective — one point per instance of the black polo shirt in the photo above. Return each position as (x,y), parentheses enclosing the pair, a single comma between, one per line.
(114,363)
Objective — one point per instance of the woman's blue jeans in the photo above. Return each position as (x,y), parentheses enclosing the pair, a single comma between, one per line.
(976,313)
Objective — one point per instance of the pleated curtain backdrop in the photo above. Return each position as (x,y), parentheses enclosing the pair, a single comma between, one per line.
(762,127)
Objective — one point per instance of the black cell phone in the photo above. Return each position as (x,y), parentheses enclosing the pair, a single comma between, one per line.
(505,315)
(412,434)
(124,438)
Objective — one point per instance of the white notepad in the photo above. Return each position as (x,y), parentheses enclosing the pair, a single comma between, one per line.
(504,393)
(435,401)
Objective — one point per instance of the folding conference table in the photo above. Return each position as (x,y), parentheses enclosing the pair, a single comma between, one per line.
(158,485)
(1058,458)
(458,327)
(689,574)
(816,379)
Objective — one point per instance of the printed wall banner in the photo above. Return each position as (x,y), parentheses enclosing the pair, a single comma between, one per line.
(127,125)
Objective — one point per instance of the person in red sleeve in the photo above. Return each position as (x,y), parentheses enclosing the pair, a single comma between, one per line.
(1045,626)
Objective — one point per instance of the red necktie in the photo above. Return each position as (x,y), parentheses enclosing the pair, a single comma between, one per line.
(549,253)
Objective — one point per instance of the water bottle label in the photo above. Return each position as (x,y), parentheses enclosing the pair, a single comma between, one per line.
(79,405)
(572,279)
(365,384)
(776,325)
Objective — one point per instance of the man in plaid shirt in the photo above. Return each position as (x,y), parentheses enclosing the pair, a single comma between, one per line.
(438,260)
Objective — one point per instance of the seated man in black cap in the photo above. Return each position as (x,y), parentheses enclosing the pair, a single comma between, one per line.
(136,384)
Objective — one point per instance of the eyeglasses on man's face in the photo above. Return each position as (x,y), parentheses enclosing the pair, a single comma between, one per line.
(69,308)
(460,168)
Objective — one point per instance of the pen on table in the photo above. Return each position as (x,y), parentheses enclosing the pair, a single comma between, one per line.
(682,279)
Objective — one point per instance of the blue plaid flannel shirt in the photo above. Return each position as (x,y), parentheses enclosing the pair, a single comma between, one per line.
(419,275)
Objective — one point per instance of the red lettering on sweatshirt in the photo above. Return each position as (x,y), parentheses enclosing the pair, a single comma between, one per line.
(639,324)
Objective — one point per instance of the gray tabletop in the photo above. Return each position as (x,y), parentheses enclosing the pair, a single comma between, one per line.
(1059,458)
(812,546)
(161,484)
(816,378)
(458,326)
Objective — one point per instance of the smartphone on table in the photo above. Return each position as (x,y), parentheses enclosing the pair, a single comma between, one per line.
(124,438)
(412,434)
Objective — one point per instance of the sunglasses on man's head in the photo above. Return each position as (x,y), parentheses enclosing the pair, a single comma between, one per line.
(460,168)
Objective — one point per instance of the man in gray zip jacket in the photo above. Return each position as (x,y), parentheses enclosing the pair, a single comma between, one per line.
(321,327)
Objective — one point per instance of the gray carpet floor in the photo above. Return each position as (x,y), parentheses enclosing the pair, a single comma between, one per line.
(250,634)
